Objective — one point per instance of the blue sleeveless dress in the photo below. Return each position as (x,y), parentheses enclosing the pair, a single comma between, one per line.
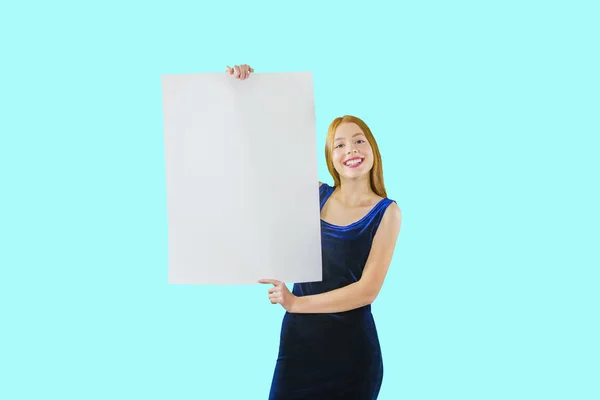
(337,355)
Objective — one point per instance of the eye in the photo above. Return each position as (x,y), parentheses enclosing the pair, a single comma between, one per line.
(339,145)
(360,141)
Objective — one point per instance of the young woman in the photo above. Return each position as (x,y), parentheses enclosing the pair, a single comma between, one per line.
(329,348)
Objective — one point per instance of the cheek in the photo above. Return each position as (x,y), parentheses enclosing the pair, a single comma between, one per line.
(370,159)
(337,156)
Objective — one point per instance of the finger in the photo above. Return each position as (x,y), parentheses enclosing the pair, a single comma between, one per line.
(251,69)
(246,71)
(229,70)
(271,281)
(237,71)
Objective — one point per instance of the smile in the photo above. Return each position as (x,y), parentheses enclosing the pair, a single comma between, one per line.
(353,162)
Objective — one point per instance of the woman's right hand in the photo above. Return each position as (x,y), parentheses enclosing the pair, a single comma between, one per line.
(240,71)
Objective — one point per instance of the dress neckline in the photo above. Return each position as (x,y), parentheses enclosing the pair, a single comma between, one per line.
(367,215)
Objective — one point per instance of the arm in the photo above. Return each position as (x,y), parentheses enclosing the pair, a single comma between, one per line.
(364,291)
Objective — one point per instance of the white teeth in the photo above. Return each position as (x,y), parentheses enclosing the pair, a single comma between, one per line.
(354,162)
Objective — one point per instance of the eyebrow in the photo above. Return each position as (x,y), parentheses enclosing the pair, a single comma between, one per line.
(356,134)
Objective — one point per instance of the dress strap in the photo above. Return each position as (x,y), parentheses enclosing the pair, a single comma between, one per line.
(376,214)
(324,192)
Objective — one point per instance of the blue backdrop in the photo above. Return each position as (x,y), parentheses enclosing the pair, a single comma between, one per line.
(487,116)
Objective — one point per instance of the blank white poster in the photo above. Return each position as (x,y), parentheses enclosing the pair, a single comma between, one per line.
(241,178)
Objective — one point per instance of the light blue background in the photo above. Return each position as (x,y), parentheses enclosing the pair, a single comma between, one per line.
(487,115)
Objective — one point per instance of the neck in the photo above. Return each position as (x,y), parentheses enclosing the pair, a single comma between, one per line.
(353,192)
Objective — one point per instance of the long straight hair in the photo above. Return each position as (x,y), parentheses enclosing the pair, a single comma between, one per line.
(376,173)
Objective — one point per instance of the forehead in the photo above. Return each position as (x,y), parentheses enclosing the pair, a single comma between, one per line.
(348,130)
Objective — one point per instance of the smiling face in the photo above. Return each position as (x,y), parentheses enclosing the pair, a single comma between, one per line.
(354,139)
(352,155)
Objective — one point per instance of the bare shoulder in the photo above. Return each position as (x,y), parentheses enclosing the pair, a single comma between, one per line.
(320,183)
(389,228)
(392,216)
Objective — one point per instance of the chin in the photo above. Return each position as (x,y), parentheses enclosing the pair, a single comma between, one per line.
(353,175)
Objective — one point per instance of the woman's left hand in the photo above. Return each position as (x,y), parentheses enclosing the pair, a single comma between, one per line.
(280,294)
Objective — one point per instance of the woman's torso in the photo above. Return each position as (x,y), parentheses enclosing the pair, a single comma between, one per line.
(345,248)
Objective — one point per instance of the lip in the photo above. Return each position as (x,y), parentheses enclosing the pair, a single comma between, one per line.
(355,165)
